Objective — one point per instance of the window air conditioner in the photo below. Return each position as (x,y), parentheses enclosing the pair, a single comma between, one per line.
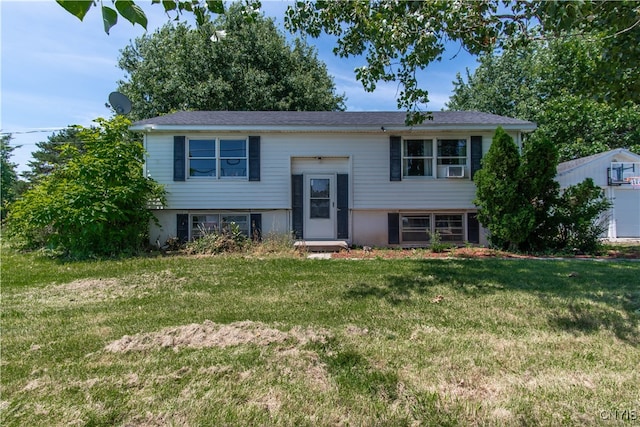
(455,171)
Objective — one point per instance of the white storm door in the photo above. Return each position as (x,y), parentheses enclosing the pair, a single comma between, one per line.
(320,207)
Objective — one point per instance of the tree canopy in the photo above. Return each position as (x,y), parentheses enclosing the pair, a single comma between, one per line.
(399,39)
(557,85)
(248,65)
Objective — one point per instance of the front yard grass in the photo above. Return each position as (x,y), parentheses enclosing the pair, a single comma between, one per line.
(232,340)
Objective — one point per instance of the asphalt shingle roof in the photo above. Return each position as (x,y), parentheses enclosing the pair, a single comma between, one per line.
(325,118)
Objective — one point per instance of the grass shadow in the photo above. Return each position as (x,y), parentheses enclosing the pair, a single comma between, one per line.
(581,296)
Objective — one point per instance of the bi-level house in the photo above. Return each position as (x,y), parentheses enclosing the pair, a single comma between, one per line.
(362,177)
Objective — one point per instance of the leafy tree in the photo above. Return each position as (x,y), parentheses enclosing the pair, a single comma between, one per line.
(9,177)
(501,84)
(134,14)
(558,86)
(251,68)
(503,208)
(94,204)
(399,39)
(582,126)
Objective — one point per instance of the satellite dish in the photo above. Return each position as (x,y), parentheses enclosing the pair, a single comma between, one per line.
(120,103)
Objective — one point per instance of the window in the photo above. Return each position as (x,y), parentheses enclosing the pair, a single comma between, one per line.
(233,157)
(319,198)
(449,227)
(416,228)
(217,158)
(241,221)
(417,157)
(452,151)
(202,224)
(202,157)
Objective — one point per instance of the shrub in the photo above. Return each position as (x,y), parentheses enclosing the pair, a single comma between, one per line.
(579,217)
(228,240)
(437,245)
(94,205)
(273,243)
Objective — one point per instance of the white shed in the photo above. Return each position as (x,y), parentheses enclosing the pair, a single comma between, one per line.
(617,172)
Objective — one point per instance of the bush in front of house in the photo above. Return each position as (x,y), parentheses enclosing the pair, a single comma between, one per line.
(229,240)
(522,206)
(96,204)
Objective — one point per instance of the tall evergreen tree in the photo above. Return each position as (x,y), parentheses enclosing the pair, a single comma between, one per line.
(521,205)
(502,206)
(540,188)
(9,180)
(49,154)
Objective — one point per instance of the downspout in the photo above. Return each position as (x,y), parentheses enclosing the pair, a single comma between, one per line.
(145,144)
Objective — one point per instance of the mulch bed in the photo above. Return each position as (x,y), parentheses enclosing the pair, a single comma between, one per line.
(475,252)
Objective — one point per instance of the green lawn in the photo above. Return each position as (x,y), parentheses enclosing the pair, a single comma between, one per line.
(234,340)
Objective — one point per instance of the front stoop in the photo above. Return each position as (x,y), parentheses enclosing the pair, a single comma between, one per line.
(322,245)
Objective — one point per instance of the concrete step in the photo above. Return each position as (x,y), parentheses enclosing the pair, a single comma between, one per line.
(321,245)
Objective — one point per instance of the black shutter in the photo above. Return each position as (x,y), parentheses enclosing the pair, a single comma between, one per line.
(256,227)
(476,154)
(182,229)
(343,205)
(473,228)
(179,161)
(254,158)
(297,205)
(395,158)
(394,228)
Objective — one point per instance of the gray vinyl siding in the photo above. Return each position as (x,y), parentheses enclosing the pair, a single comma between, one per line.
(271,192)
(364,156)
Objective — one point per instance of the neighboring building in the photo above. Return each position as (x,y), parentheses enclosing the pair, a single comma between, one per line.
(362,177)
(614,171)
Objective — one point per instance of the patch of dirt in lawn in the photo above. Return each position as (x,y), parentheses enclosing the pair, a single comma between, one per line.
(103,289)
(210,334)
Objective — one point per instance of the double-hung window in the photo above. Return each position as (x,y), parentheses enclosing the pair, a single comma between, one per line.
(449,227)
(416,228)
(233,158)
(217,158)
(202,157)
(417,158)
(452,151)
(419,228)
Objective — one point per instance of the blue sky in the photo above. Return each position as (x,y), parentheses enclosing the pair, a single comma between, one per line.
(58,71)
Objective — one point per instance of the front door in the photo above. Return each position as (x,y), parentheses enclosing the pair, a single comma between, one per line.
(320,207)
